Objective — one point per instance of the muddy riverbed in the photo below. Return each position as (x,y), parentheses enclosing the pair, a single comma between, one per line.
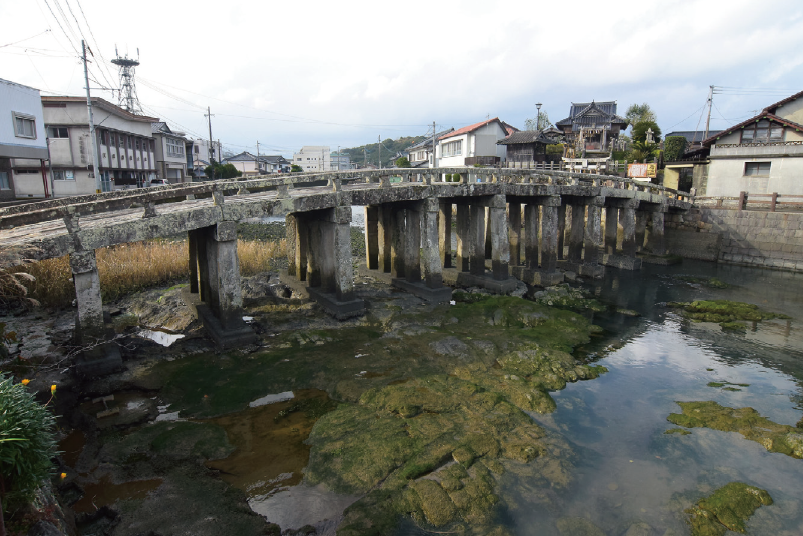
(491,415)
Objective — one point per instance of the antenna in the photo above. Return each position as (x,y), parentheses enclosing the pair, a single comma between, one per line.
(128,99)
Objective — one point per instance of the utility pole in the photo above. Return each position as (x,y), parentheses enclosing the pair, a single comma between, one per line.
(364,157)
(208,115)
(92,137)
(434,163)
(710,102)
(379,147)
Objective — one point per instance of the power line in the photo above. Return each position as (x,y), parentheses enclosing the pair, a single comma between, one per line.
(88,27)
(62,28)
(26,39)
(78,25)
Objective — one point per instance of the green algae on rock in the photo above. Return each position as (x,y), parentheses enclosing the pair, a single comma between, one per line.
(679,431)
(726,509)
(725,313)
(578,526)
(565,297)
(728,386)
(774,437)
(711,282)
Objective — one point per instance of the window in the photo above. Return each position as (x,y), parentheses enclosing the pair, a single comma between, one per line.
(57,132)
(454,148)
(63,175)
(121,141)
(26,171)
(137,144)
(130,143)
(763,132)
(24,125)
(174,147)
(4,185)
(757,169)
(197,149)
(104,137)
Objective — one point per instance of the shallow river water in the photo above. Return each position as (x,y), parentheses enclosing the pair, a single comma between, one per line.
(627,469)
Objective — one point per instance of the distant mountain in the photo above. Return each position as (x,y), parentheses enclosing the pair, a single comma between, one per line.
(390,149)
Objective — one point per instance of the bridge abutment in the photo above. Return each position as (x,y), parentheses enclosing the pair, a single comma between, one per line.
(627,219)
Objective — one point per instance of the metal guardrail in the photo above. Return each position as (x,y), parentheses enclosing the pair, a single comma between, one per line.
(122,199)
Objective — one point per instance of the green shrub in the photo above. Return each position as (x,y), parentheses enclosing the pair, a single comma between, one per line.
(674,147)
(27,443)
(554,149)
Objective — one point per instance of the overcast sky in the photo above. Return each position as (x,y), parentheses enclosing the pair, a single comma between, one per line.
(343,73)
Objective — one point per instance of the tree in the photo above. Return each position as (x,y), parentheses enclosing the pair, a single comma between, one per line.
(643,151)
(295,168)
(640,131)
(217,171)
(402,162)
(637,113)
(674,147)
(542,123)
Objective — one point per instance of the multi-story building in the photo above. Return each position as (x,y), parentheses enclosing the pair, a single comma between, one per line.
(246,163)
(340,161)
(123,141)
(199,156)
(474,144)
(313,158)
(22,137)
(420,154)
(171,159)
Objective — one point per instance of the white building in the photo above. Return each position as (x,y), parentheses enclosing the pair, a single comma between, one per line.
(420,154)
(246,163)
(340,161)
(762,155)
(199,157)
(313,158)
(171,157)
(22,136)
(474,144)
(126,149)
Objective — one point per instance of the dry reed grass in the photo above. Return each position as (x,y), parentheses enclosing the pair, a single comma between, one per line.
(131,267)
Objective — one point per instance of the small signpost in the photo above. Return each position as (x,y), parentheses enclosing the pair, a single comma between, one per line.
(642,171)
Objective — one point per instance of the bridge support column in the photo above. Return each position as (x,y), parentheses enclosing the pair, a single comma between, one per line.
(532,225)
(397,268)
(593,239)
(514,230)
(433,253)
(445,233)
(576,234)
(220,301)
(372,237)
(412,246)
(641,228)
(487,234)
(611,229)
(656,240)
(99,359)
(463,238)
(290,233)
(581,237)
(500,239)
(343,270)
(627,218)
(384,226)
(477,239)
(550,232)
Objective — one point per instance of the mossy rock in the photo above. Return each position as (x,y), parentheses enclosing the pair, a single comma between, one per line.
(746,421)
(171,439)
(679,431)
(578,526)
(726,509)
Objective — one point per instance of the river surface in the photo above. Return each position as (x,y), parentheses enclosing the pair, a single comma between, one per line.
(628,470)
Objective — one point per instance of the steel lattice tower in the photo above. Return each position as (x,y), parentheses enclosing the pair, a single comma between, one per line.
(128,89)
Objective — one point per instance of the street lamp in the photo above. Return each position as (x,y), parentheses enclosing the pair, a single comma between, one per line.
(538,116)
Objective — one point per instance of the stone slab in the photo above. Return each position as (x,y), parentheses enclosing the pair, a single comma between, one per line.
(98,361)
(622,262)
(596,271)
(224,338)
(341,310)
(539,278)
(457,279)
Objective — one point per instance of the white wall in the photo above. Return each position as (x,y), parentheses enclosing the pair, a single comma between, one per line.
(25,100)
(313,158)
(726,177)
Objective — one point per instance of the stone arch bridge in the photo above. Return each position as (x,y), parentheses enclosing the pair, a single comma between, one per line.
(510,223)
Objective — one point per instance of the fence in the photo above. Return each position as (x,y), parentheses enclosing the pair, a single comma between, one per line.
(748,201)
(579,166)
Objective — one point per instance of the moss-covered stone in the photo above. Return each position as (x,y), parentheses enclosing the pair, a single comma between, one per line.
(679,431)
(728,314)
(710,282)
(746,421)
(578,526)
(726,509)
(170,439)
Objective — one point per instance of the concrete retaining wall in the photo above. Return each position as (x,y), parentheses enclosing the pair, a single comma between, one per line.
(748,238)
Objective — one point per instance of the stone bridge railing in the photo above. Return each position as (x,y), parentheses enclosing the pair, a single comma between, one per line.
(515,221)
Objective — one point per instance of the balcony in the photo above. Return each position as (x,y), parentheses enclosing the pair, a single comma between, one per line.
(774,149)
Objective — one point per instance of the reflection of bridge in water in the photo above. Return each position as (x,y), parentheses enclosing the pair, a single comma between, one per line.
(515,218)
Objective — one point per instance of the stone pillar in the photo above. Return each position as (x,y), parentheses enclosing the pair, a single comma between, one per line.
(343,269)
(500,238)
(225,297)
(412,246)
(397,242)
(301,249)
(561,229)
(290,232)
(627,217)
(89,320)
(593,236)
(611,229)
(657,244)
(463,238)
(514,230)
(477,239)
(550,230)
(314,252)
(371,237)
(431,231)
(325,255)
(384,226)
(531,228)
(445,233)
(641,228)
(576,233)
(192,243)
(488,244)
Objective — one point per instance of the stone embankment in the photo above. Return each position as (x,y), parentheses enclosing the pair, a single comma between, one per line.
(747,238)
